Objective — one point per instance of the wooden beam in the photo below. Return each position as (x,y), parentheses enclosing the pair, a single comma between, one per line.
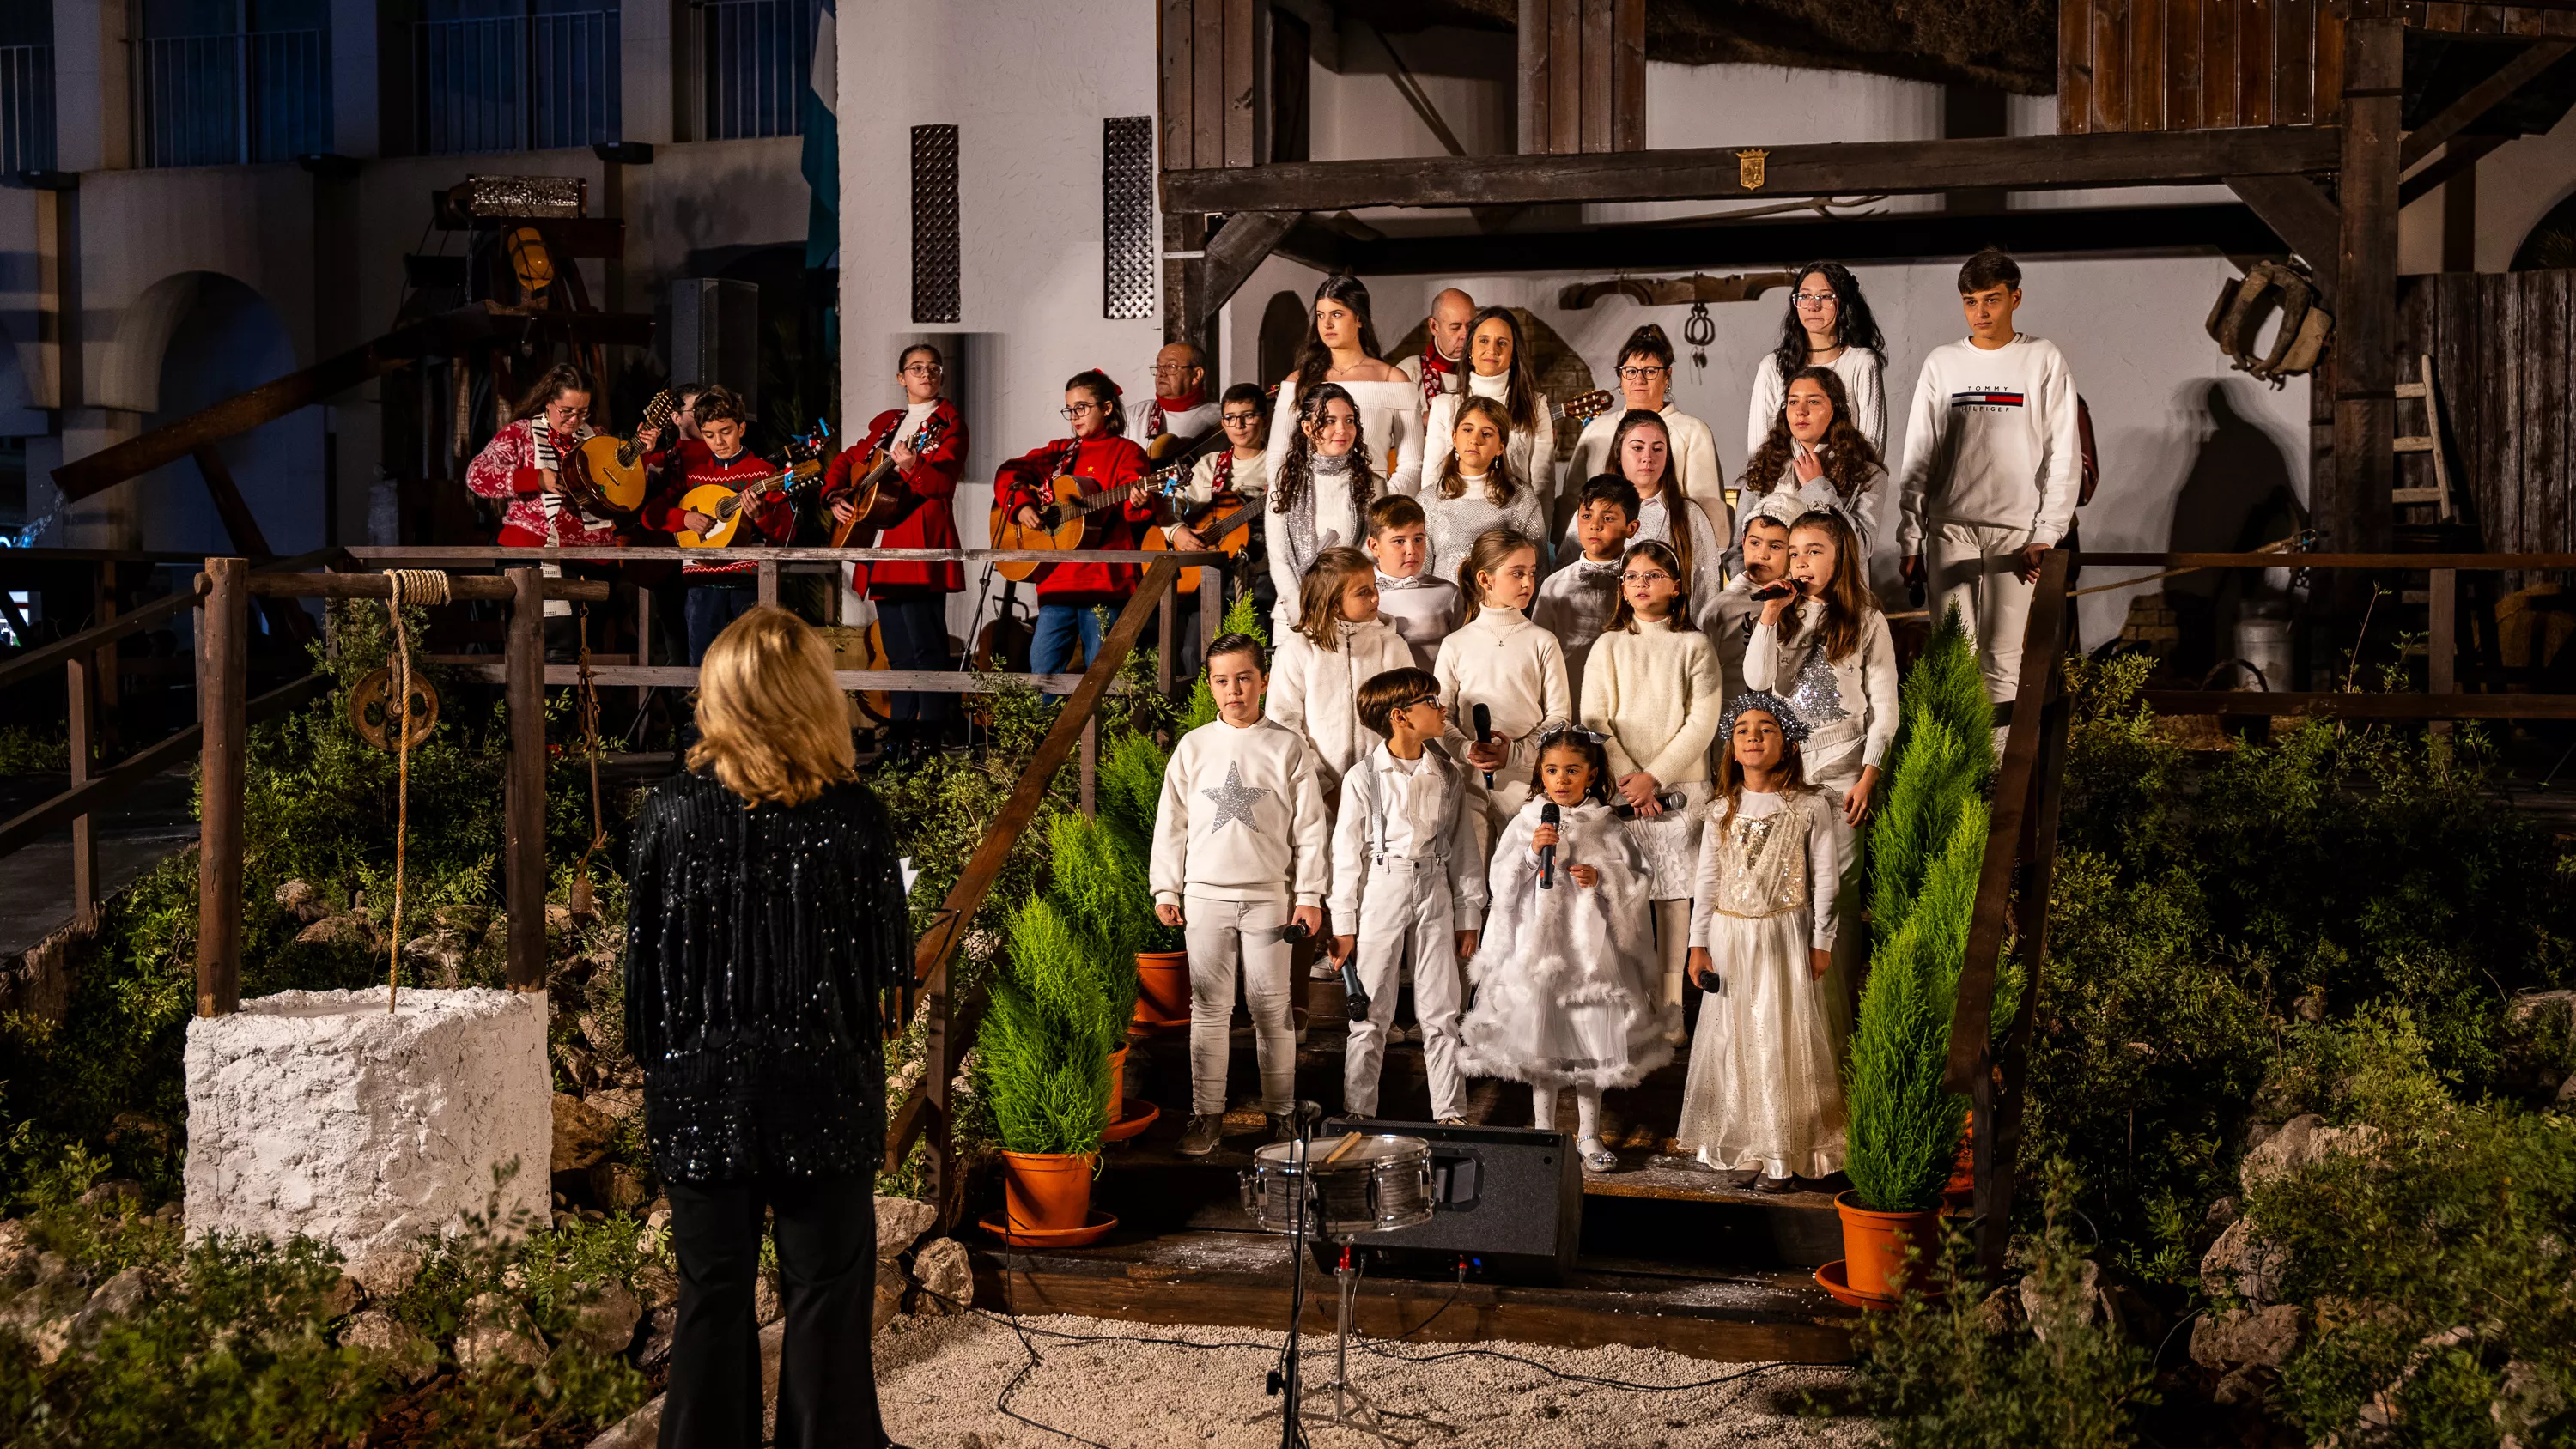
(2472,561)
(1531,79)
(459,587)
(2481,98)
(2463,154)
(1237,249)
(2301,212)
(223,655)
(523,797)
(2023,163)
(2351,507)
(52,656)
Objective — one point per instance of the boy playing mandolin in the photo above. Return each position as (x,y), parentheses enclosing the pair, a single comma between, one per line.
(924,442)
(1101,456)
(718,593)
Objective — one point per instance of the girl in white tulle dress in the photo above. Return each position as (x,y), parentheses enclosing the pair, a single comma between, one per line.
(1565,976)
(1765,1089)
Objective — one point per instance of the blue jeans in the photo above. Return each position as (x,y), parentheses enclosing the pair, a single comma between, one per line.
(710,608)
(1059,628)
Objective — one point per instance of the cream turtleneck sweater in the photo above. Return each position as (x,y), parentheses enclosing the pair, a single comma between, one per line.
(1656,693)
(1316,692)
(1514,668)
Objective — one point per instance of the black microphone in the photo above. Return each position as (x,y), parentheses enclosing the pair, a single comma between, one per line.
(1547,815)
(1484,719)
(1355,997)
(1770,591)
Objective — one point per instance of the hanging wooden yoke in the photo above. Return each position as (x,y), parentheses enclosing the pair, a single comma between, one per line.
(2267,289)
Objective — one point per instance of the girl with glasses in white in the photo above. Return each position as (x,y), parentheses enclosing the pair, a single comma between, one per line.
(1828,325)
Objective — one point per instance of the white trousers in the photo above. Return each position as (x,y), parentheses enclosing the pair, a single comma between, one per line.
(1973,567)
(1406,913)
(1227,937)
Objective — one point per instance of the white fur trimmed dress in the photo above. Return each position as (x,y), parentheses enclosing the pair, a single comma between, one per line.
(1566,981)
(1765,1085)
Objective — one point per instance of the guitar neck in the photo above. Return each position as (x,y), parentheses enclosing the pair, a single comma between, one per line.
(1113,497)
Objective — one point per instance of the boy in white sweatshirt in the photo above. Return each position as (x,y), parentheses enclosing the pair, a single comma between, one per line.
(1422,607)
(1576,600)
(1239,853)
(1992,469)
(1408,880)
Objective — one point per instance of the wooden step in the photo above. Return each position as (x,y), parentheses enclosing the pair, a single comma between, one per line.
(2412,444)
(2410,389)
(1243,1279)
(2414,495)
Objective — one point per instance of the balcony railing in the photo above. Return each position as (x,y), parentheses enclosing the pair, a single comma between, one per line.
(517,82)
(758,56)
(26,108)
(219,100)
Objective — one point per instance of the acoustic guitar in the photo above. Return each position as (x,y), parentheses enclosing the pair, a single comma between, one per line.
(880,499)
(607,475)
(1071,521)
(1222,516)
(728,505)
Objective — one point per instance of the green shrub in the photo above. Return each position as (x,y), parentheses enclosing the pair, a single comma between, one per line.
(1105,894)
(1042,1056)
(1241,617)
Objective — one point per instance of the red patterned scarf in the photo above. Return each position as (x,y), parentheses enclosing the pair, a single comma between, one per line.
(1434,368)
(1195,397)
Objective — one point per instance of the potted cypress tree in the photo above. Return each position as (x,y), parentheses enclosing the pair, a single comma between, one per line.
(1131,791)
(1926,846)
(1102,888)
(1043,1057)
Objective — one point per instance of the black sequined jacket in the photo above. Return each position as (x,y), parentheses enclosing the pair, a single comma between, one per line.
(757,942)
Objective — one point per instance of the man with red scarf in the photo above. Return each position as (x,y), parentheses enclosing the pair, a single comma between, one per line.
(1181,408)
(1100,452)
(1441,367)
(925,439)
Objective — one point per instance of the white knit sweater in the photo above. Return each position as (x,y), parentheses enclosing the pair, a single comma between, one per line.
(1514,668)
(1241,818)
(1316,693)
(1656,693)
(1861,688)
(1531,454)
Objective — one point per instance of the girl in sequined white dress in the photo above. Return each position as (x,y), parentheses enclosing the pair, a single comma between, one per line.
(1765,1087)
(1834,663)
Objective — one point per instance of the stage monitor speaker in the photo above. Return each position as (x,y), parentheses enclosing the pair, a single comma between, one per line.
(1510,1199)
(715,335)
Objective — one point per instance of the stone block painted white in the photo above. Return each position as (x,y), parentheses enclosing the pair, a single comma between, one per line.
(318,1112)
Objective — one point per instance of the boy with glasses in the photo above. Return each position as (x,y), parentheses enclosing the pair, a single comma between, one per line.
(1645,383)
(1408,881)
(1576,601)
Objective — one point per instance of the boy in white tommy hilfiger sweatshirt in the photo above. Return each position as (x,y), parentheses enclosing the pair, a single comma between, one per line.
(1992,468)
(1240,851)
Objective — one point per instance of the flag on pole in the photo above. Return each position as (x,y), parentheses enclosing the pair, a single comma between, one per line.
(822,159)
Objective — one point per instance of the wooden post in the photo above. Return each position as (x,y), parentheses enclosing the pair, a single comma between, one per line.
(524,798)
(1164,634)
(767,571)
(76,684)
(1090,768)
(643,639)
(223,671)
(104,612)
(1212,605)
(2356,512)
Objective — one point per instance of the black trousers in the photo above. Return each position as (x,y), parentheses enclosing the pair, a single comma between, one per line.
(916,637)
(827,1383)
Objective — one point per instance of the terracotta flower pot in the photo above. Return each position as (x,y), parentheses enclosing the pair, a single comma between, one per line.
(1874,1245)
(1963,1172)
(1046,1191)
(1162,987)
(1117,1082)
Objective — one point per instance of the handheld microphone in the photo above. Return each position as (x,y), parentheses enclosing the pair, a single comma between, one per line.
(1295,931)
(1484,719)
(1355,997)
(1547,815)
(1770,591)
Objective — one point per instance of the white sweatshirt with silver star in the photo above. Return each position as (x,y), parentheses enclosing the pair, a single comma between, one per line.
(1242,818)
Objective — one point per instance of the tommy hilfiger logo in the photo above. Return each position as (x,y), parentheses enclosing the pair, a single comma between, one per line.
(1985,397)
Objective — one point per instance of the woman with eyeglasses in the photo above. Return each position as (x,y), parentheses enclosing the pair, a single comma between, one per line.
(1500,371)
(522,466)
(1828,325)
(1341,348)
(925,440)
(1101,454)
(1645,385)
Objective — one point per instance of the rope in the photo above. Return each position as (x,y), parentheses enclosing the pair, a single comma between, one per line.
(424,586)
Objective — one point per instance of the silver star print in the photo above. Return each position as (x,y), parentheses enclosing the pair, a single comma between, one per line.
(1234,800)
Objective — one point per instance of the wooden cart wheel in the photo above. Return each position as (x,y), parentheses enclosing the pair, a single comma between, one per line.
(371,714)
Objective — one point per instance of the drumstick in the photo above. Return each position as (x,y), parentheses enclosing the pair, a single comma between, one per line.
(1349,1141)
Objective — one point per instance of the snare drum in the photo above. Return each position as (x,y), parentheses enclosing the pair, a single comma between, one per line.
(1381,1183)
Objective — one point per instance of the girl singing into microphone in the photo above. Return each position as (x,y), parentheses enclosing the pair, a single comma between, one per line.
(1565,974)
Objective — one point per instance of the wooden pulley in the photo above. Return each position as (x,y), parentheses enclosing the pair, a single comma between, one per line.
(371,714)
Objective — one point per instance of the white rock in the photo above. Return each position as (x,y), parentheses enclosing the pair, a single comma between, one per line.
(116,1298)
(318,1112)
(497,1330)
(889,1299)
(2246,1337)
(900,1223)
(386,1271)
(604,1321)
(2242,1262)
(946,1276)
(377,1331)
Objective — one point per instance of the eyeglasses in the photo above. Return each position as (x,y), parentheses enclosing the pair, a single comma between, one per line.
(1641,374)
(1241,419)
(1645,576)
(924,369)
(1432,700)
(1075,410)
(1811,299)
(1173,368)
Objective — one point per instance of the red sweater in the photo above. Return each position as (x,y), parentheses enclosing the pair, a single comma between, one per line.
(1107,462)
(692,464)
(932,479)
(506,472)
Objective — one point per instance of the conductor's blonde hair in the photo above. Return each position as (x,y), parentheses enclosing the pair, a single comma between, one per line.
(770,722)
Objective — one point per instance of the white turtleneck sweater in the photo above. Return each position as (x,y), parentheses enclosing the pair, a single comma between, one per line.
(1656,693)
(1423,608)
(1316,692)
(1286,538)
(1531,453)
(1241,818)
(1694,453)
(1709,534)
(1514,668)
(1457,522)
(1574,604)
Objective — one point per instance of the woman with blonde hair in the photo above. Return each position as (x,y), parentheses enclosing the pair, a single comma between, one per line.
(766,920)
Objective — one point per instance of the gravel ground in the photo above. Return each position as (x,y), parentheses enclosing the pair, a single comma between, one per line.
(938,1379)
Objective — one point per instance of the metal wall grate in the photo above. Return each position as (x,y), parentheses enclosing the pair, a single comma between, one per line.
(934,225)
(1127,271)
(26,108)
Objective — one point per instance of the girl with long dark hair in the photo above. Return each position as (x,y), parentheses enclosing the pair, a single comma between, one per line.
(1813,457)
(1695,526)
(1341,347)
(1834,659)
(1828,325)
(1500,371)
(1320,490)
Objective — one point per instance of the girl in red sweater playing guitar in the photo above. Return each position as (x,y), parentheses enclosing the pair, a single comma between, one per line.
(925,442)
(1100,452)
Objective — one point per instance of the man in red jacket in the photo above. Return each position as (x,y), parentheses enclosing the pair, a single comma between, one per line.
(719,592)
(1100,452)
(925,439)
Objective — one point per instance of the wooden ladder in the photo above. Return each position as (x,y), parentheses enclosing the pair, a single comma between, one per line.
(2428,392)
(2441,594)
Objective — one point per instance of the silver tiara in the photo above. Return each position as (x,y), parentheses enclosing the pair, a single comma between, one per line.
(1792,728)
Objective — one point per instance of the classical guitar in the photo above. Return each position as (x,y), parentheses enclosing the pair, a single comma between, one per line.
(607,475)
(1582,407)
(1222,527)
(1070,521)
(880,499)
(728,505)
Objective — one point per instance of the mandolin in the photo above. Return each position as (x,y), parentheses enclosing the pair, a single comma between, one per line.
(607,475)
(728,505)
(879,498)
